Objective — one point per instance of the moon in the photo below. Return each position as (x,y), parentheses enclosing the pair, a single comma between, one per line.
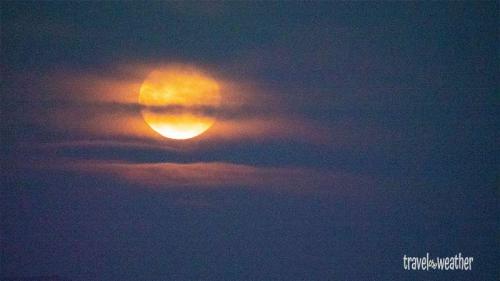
(179,102)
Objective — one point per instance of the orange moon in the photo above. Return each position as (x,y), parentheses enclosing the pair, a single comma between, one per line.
(179,102)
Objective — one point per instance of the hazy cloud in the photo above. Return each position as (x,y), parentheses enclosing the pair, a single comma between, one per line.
(105,105)
(216,175)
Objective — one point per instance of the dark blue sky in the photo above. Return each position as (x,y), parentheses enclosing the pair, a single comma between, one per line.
(406,93)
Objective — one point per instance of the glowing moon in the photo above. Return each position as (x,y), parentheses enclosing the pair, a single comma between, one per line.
(179,102)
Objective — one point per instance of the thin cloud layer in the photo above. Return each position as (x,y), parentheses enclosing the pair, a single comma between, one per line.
(102,111)
(216,175)
(106,106)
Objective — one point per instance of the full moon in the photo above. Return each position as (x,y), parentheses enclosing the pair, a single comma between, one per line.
(179,102)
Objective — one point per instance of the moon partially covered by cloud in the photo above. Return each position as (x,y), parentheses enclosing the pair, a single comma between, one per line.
(106,106)
(105,110)
(177,101)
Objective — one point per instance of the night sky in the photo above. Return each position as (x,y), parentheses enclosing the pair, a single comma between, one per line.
(349,135)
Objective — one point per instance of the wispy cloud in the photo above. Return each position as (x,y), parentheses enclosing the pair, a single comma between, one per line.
(105,105)
(216,175)
(99,112)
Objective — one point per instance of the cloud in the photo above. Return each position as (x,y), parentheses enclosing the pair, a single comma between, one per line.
(215,175)
(96,112)
(86,145)
(104,105)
